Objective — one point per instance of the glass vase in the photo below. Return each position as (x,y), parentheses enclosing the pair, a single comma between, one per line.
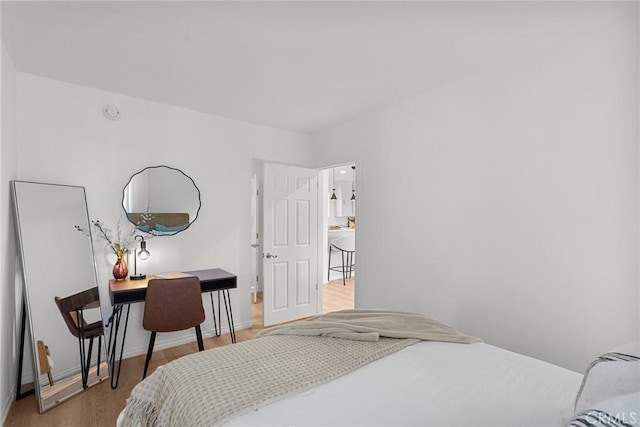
(120,269)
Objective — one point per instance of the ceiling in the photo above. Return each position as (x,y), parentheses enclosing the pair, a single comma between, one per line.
(301,66)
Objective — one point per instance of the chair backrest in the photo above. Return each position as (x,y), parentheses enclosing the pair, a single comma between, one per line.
(345,243)
(173,304)
(69,305)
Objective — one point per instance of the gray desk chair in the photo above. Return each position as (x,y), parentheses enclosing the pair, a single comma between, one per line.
(347,247)
(172,305)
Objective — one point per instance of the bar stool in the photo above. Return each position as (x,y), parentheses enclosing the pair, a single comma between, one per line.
(330,269)
(347,247)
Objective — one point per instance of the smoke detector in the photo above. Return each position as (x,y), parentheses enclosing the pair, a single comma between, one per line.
(111,112)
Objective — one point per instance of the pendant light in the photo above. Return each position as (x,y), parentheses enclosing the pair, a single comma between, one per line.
(353,182)
(333,175)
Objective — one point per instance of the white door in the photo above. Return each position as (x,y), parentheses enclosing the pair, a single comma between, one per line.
(290,243)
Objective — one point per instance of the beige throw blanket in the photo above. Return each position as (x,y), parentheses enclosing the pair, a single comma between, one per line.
(369,325)
(214,386)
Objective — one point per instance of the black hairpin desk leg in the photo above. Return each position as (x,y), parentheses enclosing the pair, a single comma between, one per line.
(227,307)
(113,340)
(217,326)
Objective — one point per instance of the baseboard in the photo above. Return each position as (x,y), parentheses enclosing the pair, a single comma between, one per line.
(6,406)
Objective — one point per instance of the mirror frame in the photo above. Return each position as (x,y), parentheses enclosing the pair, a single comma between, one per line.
(26,322)
(137,226)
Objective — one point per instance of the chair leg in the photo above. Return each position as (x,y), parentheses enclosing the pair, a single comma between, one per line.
(99,351)
(82,360)
(344,268)
(329,269)
(199,337)
(87,367)
(152,341)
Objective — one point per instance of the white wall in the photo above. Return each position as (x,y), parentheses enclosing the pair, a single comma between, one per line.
(507,203)
(64,138)
(8,298)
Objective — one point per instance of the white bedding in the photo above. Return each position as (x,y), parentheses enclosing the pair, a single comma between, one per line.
(434,384)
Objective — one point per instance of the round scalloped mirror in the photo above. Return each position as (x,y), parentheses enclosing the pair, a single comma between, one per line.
(161,200)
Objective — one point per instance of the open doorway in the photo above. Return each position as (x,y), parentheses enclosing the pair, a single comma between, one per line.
(339,224)
(335,218)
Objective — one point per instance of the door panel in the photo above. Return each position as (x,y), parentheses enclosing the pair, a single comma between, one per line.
(303,231)
(280,223)
(279,285)
(303,292)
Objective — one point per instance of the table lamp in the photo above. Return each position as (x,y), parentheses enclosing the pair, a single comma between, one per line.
(143,253)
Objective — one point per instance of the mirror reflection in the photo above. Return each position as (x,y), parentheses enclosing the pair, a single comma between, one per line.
(161,200)
(60,291)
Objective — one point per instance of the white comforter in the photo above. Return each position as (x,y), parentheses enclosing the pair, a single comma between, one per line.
(215,386)
(434,384)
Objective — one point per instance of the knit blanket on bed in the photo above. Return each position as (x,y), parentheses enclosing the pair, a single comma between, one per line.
(370,325)
(215,386)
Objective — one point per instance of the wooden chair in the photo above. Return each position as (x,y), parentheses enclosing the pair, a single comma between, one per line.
(71,308)
(172,305)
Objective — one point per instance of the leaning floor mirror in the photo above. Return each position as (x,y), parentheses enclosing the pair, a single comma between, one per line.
(60,291)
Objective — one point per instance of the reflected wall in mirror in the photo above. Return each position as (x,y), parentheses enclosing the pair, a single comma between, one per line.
(161,200)
(58,261)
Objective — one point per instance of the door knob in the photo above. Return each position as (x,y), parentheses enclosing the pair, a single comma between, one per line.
(268,255)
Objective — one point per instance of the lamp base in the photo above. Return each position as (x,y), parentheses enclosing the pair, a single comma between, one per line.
(137,277)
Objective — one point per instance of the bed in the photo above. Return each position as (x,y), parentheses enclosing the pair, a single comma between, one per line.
(441,378)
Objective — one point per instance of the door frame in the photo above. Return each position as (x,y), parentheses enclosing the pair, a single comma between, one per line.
(323,227)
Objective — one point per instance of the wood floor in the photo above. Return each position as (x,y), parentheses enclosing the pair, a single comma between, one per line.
(100,405)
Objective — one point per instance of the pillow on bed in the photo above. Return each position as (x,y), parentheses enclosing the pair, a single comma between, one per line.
(611,381)
(619,411)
